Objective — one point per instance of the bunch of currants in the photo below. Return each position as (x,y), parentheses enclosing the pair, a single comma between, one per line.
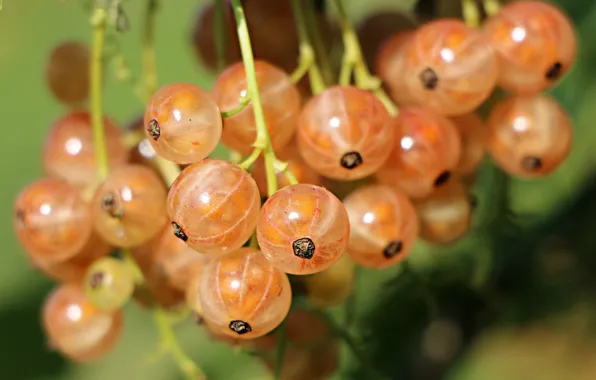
(218,241)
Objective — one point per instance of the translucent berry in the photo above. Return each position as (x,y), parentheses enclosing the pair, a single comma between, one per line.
(74,268)
(129,207)
(214,206)
(193,294)
(332,286)
(296,165)
(303,229)
(67,72)
(245,293)
(528,136)
(69,151)
(390,66)
(51,220)
(76,328)
(535,45)
(383,226)
(183,123)
(345,133)
(142,153)
(450,68)
(178,261)
(471,131)
(109,283)
(426,151)
(445,215)
(280,100)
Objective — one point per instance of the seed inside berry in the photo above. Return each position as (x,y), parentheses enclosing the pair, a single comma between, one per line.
(555,71)
(351,160)
(153,129)
(304,248)
(178,232)
(442,178)
(429,79)
(96,279)
(240,327)
(392,249)
(531,163)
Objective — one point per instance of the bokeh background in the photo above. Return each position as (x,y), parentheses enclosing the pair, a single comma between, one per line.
(512,300)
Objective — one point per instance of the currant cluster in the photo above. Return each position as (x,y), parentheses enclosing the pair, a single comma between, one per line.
(219,241)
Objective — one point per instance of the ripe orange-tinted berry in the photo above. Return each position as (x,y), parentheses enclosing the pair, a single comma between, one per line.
(244,295)
(280,101)
(183,123)
(303,229)
(296,165)
(76,328)
(332,286)
(390,66)
(67,72)
(535,44)
(51,220)
(69,151)
(143,152)
(445,215)
(450,68)
(471,131)
(528,136)
(345,133)
(129,207)
(383,225)
(426,151)
(214,206)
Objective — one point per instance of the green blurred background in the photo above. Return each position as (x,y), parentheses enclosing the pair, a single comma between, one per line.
(534,262)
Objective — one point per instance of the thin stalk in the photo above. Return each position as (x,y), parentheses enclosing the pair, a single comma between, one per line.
(236,110)
(312,25)
(290,176)
(250,160)
(491,7)
(98,21)
(262,141)
(471,13)
(149,66)
(219,34)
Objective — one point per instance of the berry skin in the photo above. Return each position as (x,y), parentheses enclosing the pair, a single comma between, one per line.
(183,123)
(528,136)
(129,207)
(332,286)
(390,65)
(109,283)
(426,151)
(69,151)
(471,131)
(244,295)
(51,220)
(445,215)
(76,328)
(280,100)
(344,133)
(535,45)
(383,226)
(303,229)
(143,153)
(450,68)
(214,206)
(67,72)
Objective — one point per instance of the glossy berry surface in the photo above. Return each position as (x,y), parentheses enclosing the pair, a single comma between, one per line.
(142,153)
(445,215)
(76,328)
(67,72)
(528,136)
(214,206)
(51,220)
(183,123)
(535,44)
(450,68)
(471,131)
(426,151)
(383,226)
(280,100)
(390,66)
(332,286)
(69,152)
(109,283)
(244,295)
(344,133)
(129,207)
(296,165)
(303,229)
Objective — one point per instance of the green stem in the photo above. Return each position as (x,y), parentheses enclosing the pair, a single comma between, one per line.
(281,348)
(325,70)
(262,141)
(98,20)
(291,178)
(219,34)
(491,7)
(234,111)
(250,160)
(470,13)
(149,66)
